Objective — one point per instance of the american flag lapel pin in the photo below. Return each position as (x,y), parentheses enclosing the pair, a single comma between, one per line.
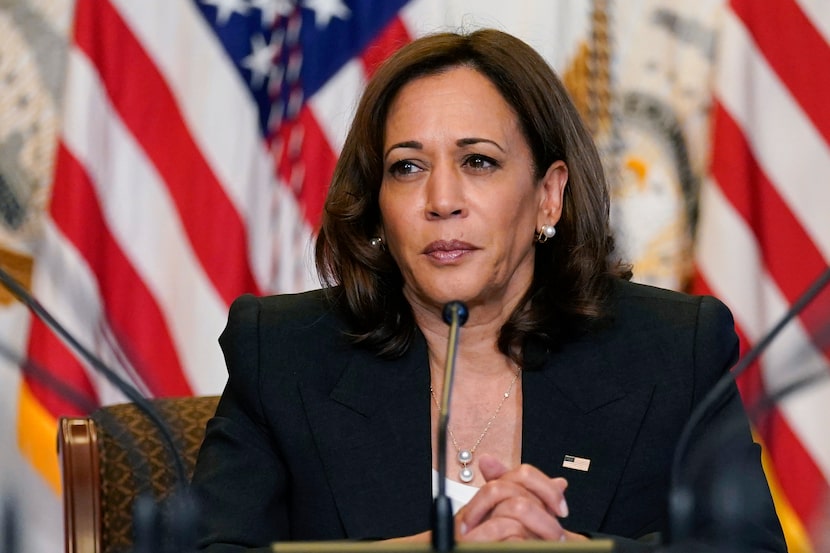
(576,463)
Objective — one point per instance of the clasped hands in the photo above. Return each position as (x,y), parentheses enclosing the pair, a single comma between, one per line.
(514,504)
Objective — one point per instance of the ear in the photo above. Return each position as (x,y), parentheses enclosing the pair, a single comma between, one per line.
(552,189)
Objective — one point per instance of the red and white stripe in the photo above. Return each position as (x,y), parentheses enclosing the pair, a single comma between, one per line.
(167,203)
(764,233)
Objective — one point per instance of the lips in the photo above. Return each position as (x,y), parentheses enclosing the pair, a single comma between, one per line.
(448,250)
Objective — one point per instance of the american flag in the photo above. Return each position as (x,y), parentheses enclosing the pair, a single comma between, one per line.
(198,139)
(764,234)
(197,142)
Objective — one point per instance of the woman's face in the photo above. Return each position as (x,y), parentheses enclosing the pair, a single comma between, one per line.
(459,200)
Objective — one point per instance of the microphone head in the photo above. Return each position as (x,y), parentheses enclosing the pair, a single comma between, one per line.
(458,309)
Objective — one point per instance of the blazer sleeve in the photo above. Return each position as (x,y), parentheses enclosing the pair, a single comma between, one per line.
(239,480)
(721,472)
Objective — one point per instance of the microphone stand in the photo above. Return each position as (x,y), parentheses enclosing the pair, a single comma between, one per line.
(681,498)
(36,372)
(181,506)
(8,525)
(443,528)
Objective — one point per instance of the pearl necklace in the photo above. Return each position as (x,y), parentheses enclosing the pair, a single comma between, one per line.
(465,456)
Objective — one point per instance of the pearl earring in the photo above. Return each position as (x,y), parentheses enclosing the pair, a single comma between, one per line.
(548,231)
(376,242)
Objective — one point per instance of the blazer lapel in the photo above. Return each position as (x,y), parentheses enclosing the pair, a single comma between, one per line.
(578,406)
(371,428)
(370,434)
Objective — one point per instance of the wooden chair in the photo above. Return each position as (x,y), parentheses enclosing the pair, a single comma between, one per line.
(110,457)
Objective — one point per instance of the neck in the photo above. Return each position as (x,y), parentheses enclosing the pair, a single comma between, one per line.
(477,353)
(477,346)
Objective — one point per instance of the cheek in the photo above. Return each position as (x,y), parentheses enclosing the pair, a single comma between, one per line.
(399,206)
(389,219)
(385,211)
(521,220)
(394,225)
(518,231)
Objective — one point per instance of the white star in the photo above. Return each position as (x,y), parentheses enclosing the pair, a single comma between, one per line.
(271,9)
(324,10)
(260,60)
(226,8)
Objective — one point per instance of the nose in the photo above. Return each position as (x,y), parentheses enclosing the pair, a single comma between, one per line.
(445,194)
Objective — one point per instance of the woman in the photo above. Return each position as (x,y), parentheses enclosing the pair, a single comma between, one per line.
(466,175)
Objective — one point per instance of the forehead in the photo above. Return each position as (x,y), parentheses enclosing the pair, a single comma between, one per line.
(452,79)
(451,97)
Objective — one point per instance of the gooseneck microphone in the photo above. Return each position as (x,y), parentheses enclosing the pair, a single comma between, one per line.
(181,506)
(681,496)
(31,369)
(443,530)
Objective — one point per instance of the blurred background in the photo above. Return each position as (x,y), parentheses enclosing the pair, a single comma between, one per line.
(160,157)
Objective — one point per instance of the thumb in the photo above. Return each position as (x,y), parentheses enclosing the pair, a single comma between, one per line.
(490,467)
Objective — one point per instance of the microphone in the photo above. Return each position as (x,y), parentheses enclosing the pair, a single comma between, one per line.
(35,371)
(8,525)
(181,506)
(443,530)
(681,496)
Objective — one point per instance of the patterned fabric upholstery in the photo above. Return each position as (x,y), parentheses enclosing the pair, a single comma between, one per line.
(133,459)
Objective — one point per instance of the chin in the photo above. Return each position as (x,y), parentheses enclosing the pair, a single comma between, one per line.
(438,297)
(439,291)
(468,298)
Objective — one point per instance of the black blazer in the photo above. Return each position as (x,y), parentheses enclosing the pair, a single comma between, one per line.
(316,439)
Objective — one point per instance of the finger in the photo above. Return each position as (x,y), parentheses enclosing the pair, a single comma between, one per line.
(488,497)
(536,520)
(551,491)
(495,529)
(490,467)
(573,536)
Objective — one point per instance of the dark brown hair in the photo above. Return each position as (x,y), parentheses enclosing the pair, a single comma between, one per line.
(573,271)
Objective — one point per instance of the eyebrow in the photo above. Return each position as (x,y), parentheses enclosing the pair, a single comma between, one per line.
(472,141)
(460,142)
(408,144)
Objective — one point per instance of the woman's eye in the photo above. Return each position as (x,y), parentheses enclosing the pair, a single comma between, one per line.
(478,161)
(403,167)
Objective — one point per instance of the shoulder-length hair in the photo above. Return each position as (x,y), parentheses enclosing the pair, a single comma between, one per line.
(573,271)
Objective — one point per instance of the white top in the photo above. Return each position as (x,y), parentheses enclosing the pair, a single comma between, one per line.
(459,494)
